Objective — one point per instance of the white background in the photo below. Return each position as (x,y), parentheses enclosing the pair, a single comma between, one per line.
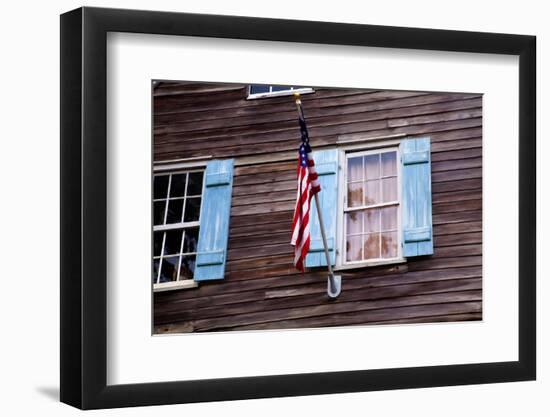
(30,174)
(133,60)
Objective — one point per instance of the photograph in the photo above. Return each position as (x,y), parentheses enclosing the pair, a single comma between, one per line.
(313,207)
(302,207)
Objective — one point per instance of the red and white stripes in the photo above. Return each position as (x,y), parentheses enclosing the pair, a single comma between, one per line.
(308,185)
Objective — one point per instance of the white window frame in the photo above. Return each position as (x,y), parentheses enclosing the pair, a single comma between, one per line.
(280,93)
(174,170)
(354,151)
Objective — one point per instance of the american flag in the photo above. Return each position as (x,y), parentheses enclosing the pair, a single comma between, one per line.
(308,185)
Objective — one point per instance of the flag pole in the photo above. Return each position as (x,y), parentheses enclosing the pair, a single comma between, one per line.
(334,282)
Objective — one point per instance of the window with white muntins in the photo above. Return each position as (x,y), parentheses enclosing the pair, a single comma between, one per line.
(176,206)
(371,208)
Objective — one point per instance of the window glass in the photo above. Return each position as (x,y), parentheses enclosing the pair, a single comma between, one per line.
(355,169)
(190,240)
(159,211)
(389,165)
(176,213)
(187,268)
(257,89)
(354,250)
(389,218)
(275,89)
(172,242)
(372,246)
(389,245)
(354,223)
(372,192)
(389,189)
(177,185)
(158,241)
(355,194)
(175,210)
(372,221)
(169,269)
(371,207)
(161,186)
(372,167)
(192,209)
(194,186)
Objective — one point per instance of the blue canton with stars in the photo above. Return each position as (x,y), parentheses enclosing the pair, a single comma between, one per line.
(305,148)
(303,155)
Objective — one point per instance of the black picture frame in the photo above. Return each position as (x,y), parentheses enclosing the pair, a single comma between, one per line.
(84,207)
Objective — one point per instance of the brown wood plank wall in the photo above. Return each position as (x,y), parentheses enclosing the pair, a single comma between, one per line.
(261,289)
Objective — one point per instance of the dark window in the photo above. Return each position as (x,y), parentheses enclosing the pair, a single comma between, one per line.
(264,90)
(177,200)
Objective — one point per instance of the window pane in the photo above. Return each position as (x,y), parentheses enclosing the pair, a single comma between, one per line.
(353,248)
(159,212)
(372,192)
(195,183)
(190,239)
(160,186)
(389,189)
(192,209)
(389,245)
(177,186)
(158,236)
(169,269)
(389,218)
(389,165)
(372,246)
(187,268)
(355,194)
(175,207)
(372,167)
(256,88)
(280,88)
(172,244)
(355,169)
(354,222)
(156,263)
(372,221)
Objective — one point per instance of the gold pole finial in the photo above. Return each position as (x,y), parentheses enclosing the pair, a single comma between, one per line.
(297,98)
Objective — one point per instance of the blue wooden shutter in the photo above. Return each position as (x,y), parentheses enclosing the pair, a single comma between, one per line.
(326,165)
(214,220)
(417,197)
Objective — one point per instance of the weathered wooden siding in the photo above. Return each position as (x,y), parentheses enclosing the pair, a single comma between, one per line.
(261,289)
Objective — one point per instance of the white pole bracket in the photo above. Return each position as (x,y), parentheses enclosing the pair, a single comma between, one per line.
(334,286)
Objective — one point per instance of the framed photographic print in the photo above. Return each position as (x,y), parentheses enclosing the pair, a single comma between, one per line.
(257,208)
